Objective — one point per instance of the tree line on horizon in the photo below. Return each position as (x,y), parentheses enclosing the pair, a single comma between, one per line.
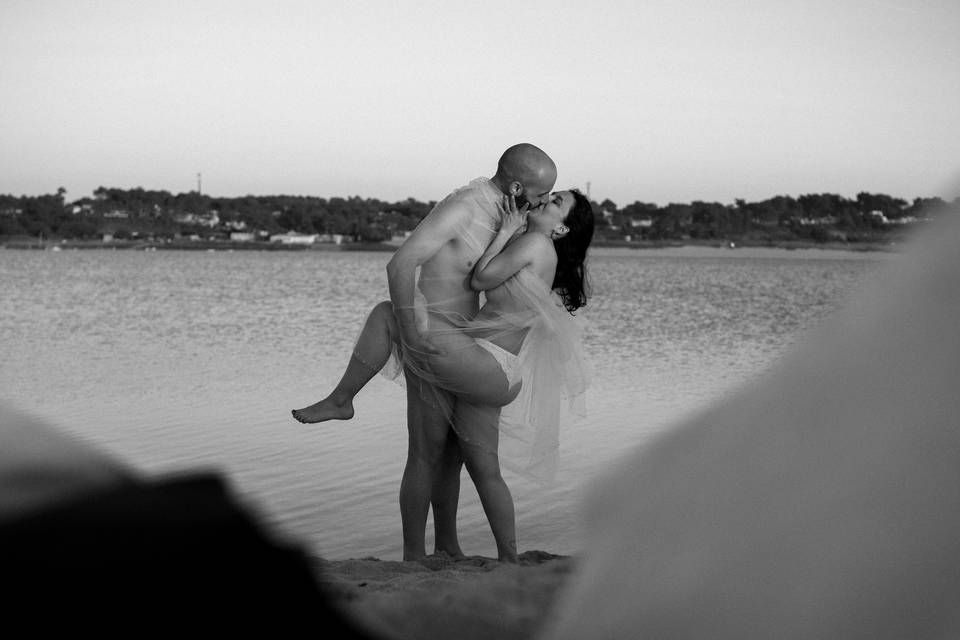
(149,213)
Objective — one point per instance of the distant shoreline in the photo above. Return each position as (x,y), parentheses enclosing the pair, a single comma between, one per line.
(692,248)
(190,245)
(812,252)
(738,245)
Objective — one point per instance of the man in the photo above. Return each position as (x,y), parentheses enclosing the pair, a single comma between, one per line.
(444,248)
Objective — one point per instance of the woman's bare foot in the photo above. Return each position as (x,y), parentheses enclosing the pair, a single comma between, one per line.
(324,410)
(450,552)
(508,554)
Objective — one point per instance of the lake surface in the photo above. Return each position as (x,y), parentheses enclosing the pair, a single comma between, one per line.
(187,360)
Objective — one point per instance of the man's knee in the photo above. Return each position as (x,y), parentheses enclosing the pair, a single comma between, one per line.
(428,448)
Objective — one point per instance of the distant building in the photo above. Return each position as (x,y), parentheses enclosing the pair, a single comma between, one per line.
(879,215)
(210,219)
(241,236)
(825,220)
(292,237)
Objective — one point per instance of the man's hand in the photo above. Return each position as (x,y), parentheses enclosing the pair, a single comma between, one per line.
(416,343)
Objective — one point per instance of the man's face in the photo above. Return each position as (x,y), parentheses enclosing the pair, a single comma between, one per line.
(535,193)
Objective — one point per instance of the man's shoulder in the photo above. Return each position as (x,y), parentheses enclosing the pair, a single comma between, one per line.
(451,207)
(478,194)
(476,188)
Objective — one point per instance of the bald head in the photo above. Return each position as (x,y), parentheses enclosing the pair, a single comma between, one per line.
(526,172)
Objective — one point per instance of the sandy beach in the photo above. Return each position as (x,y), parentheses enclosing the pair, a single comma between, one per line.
(439,597)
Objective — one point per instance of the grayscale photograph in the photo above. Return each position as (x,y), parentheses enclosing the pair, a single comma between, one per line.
(515,320)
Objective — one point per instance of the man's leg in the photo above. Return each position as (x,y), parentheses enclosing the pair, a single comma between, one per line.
(445,498)
(427,434)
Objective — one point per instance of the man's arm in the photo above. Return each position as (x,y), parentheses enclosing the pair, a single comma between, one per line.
(441,225)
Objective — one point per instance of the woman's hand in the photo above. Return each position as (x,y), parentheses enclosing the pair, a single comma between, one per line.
(511,218)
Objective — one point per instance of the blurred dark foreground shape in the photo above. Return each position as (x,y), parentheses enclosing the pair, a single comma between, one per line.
(820,501)
(88,545)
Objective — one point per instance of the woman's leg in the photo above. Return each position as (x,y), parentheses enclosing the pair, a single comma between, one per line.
(369,355)
(471,372)
(476,427)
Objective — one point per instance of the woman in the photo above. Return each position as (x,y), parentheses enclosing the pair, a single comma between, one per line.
(521,353)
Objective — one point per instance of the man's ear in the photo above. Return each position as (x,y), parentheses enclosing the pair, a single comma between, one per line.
(515,189)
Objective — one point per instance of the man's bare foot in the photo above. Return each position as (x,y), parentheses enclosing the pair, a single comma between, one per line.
(324,410)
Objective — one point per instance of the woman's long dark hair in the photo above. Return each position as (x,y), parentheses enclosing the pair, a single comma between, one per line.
(570,280)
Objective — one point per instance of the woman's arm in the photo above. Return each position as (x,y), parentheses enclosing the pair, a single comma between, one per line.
(496,266)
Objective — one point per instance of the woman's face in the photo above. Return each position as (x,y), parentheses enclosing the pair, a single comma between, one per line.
(554,211)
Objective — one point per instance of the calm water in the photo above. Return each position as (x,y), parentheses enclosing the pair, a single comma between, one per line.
(192,360)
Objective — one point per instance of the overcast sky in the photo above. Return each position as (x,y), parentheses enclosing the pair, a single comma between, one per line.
(658,101)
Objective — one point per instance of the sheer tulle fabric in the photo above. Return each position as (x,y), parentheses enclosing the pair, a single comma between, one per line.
(550,369)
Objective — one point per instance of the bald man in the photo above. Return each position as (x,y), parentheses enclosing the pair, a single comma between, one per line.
(436,261)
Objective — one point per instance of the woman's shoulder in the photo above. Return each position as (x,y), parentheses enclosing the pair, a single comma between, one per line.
(539,254)
(534,244)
